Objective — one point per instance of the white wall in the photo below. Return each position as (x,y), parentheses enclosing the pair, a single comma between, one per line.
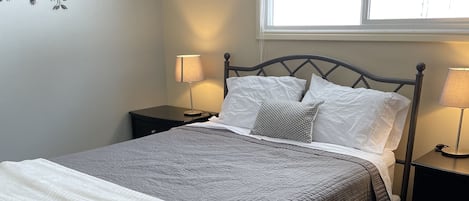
(212,27)
(69,78)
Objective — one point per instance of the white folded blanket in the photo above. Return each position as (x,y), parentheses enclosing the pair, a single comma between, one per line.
(40,179)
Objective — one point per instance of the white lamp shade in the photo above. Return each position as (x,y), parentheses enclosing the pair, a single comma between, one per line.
(456,90)
(188,68)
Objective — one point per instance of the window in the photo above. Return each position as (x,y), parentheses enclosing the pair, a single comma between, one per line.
(413,20)
(417,9)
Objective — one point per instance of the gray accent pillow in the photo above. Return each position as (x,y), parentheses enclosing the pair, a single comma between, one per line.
(286,119)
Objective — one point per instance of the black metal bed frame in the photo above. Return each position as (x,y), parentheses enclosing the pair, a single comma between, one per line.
(309,60)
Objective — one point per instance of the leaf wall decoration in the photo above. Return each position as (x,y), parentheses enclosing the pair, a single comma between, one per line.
(58,4)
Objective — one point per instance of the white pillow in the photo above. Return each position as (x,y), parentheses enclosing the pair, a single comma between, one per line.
(397,129)
(246,94)
(359,118)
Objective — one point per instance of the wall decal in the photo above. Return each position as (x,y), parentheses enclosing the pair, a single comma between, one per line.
(58,4)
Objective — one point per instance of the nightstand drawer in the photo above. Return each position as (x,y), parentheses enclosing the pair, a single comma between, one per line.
(439,177)
(433,184)
(143,127)
(161,118)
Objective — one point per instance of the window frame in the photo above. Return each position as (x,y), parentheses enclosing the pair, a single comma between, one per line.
(439,30)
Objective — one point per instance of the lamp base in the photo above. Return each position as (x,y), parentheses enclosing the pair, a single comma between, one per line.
(192,113)
(450,152)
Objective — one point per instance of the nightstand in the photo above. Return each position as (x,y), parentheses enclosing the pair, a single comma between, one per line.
(161,118)
(439,177)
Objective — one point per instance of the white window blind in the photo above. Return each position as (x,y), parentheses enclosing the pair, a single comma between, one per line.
(418,9)
(315,12)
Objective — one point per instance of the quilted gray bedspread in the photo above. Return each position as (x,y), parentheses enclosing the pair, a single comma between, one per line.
(188,163)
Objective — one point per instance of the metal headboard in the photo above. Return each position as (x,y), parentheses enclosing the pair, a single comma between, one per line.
(363,77)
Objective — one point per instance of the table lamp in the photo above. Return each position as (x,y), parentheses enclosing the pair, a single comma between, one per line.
(188,70)
(456,94)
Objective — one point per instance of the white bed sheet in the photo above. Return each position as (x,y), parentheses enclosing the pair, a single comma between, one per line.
(384,163)
(40,179)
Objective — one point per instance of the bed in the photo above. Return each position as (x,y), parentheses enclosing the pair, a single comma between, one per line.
(224,159)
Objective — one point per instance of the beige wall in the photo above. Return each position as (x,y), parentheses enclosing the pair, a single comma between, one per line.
(208,28)
(69,78)
(212,27)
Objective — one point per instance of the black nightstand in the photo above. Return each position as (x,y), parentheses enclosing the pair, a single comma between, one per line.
(439,177)
(161,118)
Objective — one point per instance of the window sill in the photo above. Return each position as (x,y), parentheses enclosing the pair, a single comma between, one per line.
(402,37)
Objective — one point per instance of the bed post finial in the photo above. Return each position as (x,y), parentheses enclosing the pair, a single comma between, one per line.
(421,67)
(227,56)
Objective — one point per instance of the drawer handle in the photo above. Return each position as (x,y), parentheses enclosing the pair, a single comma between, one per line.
(153,131)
